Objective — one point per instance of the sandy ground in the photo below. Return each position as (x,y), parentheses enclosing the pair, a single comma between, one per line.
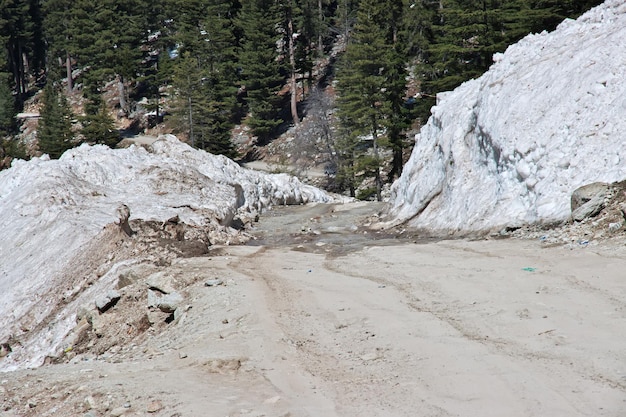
(319,318)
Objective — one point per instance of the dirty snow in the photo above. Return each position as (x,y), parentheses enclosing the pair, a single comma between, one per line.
(509,148)
(50,210)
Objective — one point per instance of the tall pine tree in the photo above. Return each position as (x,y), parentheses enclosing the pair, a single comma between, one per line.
(54,134)
(262,67)
(204,75)
(371,86)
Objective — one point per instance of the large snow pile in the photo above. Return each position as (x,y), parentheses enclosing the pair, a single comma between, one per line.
(50,210)
(509,148)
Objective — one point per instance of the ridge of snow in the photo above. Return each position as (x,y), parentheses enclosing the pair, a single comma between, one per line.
(50,209)
(510,147)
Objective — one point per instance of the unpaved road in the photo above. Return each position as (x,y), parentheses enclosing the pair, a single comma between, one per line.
(320,318)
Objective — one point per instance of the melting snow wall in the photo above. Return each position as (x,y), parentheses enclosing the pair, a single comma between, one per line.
(509,148)
(51,209)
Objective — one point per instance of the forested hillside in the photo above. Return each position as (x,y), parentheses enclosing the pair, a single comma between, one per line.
(204,66)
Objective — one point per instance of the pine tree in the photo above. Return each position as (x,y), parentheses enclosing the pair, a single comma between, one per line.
(58,35)
(204,76)
(54,133)
(99,127)
(371,85)
(263,71)
(17,33)
(7,106)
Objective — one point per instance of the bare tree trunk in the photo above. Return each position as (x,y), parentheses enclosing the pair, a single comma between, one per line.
(68,71)
(193,143)
(292,63)
(377,178)
(320,40)
(122,94)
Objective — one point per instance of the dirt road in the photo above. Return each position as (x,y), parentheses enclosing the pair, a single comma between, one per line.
(320,318)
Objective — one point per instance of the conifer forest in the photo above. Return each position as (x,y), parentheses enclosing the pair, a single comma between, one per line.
(205,66)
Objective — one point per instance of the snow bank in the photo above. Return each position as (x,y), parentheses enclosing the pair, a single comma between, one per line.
(509,148)
(50,209)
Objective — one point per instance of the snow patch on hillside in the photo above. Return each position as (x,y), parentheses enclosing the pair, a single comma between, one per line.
(50,211)
(509,148)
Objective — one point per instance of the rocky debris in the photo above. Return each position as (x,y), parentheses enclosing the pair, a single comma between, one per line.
(606,224)
(105,302)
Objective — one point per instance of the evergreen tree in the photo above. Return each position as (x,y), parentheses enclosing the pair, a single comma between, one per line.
(17,33)
(463,35)
(58,34)
(371,85)
(204,75)
(99,127)
(263,71)
(54,133)
(7,106)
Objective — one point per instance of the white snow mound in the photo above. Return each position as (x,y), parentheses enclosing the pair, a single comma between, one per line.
(50,209)
(508,148)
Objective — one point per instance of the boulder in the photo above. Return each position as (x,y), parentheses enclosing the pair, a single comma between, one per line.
(161,282)
(589,200)
(170,302)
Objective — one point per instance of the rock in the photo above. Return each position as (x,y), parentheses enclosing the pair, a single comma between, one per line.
(153,299)
(5,349)
(123,214)
(118,411)
(105,302)
(154,406)
(86,312)
(162,282)
(127,278)
(170,302)
(90,403)
(614,227)
(589,209)
(214,282)
(586,193)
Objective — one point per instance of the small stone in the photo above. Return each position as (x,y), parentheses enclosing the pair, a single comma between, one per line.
(214,282)
(32,404)
(153,299)
(90,403)
(370,356)
(118,411)
(272,400)
(154,406)
(105,302)
(182,355)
